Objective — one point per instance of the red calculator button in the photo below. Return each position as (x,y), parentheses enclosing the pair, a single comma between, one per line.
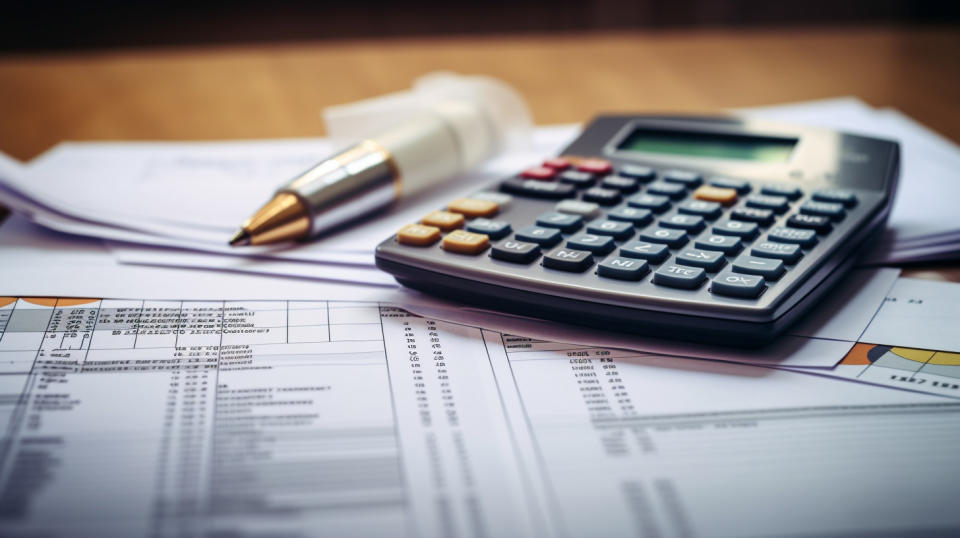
(595,166)
(557,163)
(539,172)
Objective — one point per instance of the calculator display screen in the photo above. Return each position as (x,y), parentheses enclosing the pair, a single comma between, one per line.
(716,145)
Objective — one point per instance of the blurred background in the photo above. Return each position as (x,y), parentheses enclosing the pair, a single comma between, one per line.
(136,69)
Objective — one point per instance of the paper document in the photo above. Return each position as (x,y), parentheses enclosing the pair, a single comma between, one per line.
(326,418)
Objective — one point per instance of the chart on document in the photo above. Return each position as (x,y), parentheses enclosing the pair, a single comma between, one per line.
(313,418)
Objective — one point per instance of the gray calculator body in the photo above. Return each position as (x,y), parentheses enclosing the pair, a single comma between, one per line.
(823,170)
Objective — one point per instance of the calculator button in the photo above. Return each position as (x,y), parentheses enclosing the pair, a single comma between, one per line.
(515,251)
(622,184)
(496,229)
(565,259)
(620,230)
(539,172)
(688,179)
(838,196)
(576,207)
(788,191)
(597,244)
(782,234)
(545,237)
(788,252)
(653,252)
(716,194)
(762,217)
(564,222)
(679,276)
(464,242)
(602,196)
(418,235)
(557,163)
(473,208)
(768,268)
(690,223)
(777,204)
(577,178)
(810,222)
(642,173)
(727,244)
(711,260)
(671,238)
(653,202)
(444,220)
(739,185)
(833,211)
(498,198)
(738,228)
(537,189)
(673,190)
(734,285)
(707,210)
(595,166)
(623,268)
(633,215)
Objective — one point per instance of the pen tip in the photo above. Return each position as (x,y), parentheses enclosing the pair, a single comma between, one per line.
(240,239)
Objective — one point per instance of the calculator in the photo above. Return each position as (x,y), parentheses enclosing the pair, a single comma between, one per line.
(711,229)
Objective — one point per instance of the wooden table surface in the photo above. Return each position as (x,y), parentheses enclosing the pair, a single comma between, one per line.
(278,90)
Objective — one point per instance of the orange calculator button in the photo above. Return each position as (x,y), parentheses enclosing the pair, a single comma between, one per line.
(716,194)
(464,242)
(418,235)
(444,220)
(473,208)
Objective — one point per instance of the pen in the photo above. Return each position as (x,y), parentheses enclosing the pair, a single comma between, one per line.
(457,122)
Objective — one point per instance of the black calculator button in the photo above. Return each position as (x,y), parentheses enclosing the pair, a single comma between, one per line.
(810,222)
(564,222)
(654,252)
(545,237)
(777,204)
(496,229)
(596,244)
(832,210)
(620,183)
(667,236)
(566,259)
(766,267)
(739,185)
(707,210)
(788,252)
(673,190)
(623,268)
(602,196)
(689,179)
(679,276)
(711,260)
(788,191)
(735,285)
(641,173)
(838,196)
(782,234)
(690,223)
(578,207)
(728,244)
(737,228)
(534,188)
(762,217)
(515,251)
(654,202)
(633,215)
(618,229)
(577,178)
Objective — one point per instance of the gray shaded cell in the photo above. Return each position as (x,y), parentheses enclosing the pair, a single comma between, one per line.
(947,370)
(29,320)
(892,360)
